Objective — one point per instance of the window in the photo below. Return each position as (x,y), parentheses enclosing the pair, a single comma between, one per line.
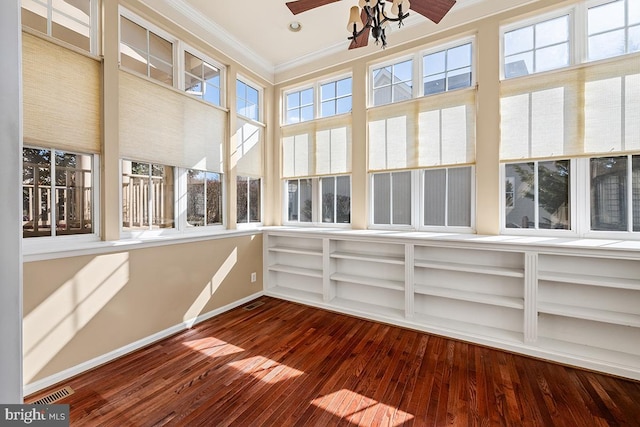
(300,200)
(324,200)
(202,79)
(68,21)
(249,200)
(336,199)
(447,69)
(615,193)
(393,83)
(447,196)
(204,198)
(147,196)
(145,52)
(537,195)
(57,196)
(336,97)
(392,198)
(299,106)
(247,98)
(538,47)
(613,29)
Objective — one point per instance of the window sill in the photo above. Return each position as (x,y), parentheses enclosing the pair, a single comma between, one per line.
(64,248)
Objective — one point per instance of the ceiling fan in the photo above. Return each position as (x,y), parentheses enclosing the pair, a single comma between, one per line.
(372,17)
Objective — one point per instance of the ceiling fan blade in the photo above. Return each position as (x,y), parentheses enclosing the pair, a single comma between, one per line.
(432,9)
(300,6)
(363,39)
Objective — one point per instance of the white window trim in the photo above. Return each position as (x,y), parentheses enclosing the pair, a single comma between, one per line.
(317,100)
(184,47)
(176,67)
(248,224)
(415,210)
(69,242)
(446,228)
(446,46)
(285,109)
(182,225)
(316,197)
(260,89)
(395,60)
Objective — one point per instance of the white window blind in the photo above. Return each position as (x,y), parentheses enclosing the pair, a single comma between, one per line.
(319,147)
(431,131)
(248,153)
(160,125)
(588,109)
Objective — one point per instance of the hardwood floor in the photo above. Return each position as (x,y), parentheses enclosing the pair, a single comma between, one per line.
(285,364)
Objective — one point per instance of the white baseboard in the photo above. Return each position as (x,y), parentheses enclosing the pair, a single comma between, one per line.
(108,357)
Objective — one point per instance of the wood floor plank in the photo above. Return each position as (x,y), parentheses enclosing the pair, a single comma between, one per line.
(285,364)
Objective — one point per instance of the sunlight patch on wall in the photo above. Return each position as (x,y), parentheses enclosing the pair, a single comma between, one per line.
(265,369)
(50,326)
(370,409)
(210,288)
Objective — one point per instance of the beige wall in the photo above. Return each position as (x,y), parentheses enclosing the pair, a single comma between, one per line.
(80,308)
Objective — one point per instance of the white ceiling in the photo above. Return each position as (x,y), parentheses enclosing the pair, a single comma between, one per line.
(255,32)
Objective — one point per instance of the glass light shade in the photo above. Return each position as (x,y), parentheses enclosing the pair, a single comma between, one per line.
(354,18)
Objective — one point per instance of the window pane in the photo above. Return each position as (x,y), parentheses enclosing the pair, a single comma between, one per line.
(254,200)
(459,197)
(552,32)
(74,29)
(402,72)
(607,17)
(519,195)
(293,100)
(606,45)
(553,195)
(73,193)
(36,185)
(434,84)
(214,198)
(34,15)
(344,87)
(459,78)
(518,41)
(328,91)
(293,191)
(435,185)
(382,95)
(162,191)
(306,201)
(401,197)
(635,176)
(608,194)
(344,105)
(160,48)
(242,194)
(552,57)
(328,199)
(195,198)
(434,63)
(306,96)
(328,108)
(459,57)
(381,198)
(518,65)
(343,199)
(634,39)
(307,113)
(212,94)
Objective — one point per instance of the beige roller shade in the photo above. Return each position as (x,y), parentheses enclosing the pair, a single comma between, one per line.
(62,101)
(593,108)
(248,156)
(318,147)
(161,125)
(434,130)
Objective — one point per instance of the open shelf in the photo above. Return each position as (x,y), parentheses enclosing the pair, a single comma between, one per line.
(591,280)
(370,281)
(367,309)
(386,259)
(294,294)
(618,318)
(310,272)
(440,324)
(471,268)
(294,250)
(499,300)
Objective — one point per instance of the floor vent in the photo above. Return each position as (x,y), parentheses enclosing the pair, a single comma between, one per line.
(253,305)
(54,396)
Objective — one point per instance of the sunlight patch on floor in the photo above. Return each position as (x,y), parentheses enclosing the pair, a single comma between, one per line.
(265,369)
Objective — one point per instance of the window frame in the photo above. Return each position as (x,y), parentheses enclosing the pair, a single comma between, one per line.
(177,69)
(317,204)
(589,4)
(94,34)
(471,228)
(413,209)
(392,62)
(260,105)
(94,235)
(184,49)
(316,86)
(183,223)
(458,42)
(249,223)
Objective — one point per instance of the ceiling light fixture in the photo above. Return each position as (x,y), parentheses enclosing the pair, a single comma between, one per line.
(371,17)
(295,26)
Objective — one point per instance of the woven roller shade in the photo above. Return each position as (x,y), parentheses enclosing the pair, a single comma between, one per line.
(320,147)
(590,109)
(160,125)
(434,130)
(247,156)
(62,101)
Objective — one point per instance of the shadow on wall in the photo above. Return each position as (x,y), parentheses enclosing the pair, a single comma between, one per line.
(80,308)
